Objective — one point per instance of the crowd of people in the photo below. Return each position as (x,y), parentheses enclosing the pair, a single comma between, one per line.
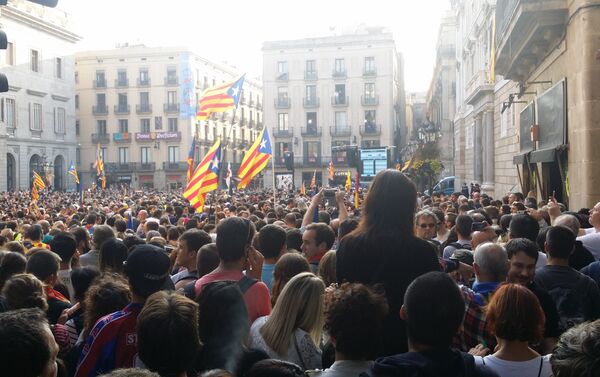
(283,284)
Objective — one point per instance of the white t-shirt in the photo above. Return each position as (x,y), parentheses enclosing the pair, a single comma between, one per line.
(590,230)
(65,276)
(591,242)
(504,368)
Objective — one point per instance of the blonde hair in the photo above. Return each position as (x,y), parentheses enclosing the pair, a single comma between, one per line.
(327,268)
(300,306)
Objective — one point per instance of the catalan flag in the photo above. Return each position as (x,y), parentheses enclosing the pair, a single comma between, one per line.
(38,181)
(190,159)
(73,172)
(356,186)
(331,171)
(35,195)
(99,162)
(302,189)
(220,98)
(348,184)
(205,178)
(255,159)
(313,181)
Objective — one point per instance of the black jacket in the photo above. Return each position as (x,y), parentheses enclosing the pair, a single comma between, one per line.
(431,363)
(390,262)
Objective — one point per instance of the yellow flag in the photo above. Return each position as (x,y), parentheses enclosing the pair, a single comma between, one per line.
(348,185)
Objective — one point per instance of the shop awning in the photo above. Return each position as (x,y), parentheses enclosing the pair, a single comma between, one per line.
(543,155)
(520,159)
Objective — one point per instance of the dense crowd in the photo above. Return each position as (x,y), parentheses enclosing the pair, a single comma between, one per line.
(131,283)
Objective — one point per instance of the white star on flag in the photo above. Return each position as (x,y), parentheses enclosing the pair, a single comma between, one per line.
(215,163)
(235,90)
(263,144)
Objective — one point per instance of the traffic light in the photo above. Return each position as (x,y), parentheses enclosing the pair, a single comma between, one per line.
(288,157)
(4,39)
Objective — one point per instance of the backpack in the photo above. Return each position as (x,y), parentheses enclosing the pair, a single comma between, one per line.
(458,246)
(568,302)
(244,284)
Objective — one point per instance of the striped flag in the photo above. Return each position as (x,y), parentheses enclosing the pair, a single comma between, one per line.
(100,168)
(38,181)
(313,181)
(190,159)
(255,159)
(303,189)
(220,98)
(205,178)
(35,195)
(73,172)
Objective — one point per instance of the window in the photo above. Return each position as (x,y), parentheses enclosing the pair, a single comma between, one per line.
(172,75)
(123,126)
(145,126)
(283,122)
(312,151)
(173,155)
(370,90)
(35,61)
(158,123)
(101,100)
(10,113)
(340,94)
(59,120)
(172,97)
(122,98)
(123,155)
(77,101)
(311,67)
(103,153)
(144,99)
(311,122)
(122,77)
(282,68)
(282,94)
(101,127)
(10,54)
(280,148)
(369,64)
(100,79)
(77,128)
(205,83)
(78,156)
(145,155)
(311,93)
(35,116)
(340,120)
(144,76)
(339,154)
(172,124)
(59,68)
(340,66)
(370,121)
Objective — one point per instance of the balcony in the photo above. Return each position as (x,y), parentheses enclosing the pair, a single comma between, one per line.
(100,138)
(121,167)
(370,72)
(312,161)
(370,129)
(143,108)
(122,109)
(527,31)
(340,159)
(122,137)
(123,83)
(339,74)
(157,136)
(311,75)
(242,122)
(258,105)
(171,81)
(340,131)
(478,87)
(283,76)
(100,110)
(251,124)
(100,84)
(171,108)
(288,134)
(143,82)
(175,166)
(311,131)
(340,101)
(310,103)
(144,166)
(369,100)
(282,103)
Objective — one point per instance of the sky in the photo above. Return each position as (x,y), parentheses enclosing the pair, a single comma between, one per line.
(233,31)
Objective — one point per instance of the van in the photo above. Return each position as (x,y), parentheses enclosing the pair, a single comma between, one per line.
(444,186)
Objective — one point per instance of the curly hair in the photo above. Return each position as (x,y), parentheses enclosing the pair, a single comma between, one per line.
(107,295)
(354,318)
(24,291)
(578,351)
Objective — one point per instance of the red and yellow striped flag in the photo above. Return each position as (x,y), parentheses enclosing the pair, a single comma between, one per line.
(255,159)
(313,181)
(302,189)
(38,181)
(331,171)
(35,195)
(205,178)
(220,98)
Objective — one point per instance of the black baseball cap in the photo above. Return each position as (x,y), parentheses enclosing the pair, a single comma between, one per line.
(147,268)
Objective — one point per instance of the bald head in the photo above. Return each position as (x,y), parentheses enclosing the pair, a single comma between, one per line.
(568,221)
(490,263)
(479,238)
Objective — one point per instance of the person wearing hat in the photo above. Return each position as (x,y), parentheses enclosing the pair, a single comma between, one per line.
(112,342)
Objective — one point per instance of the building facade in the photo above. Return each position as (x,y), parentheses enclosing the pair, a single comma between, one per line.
(138,104)
(441,97)
(325,94)
(37,128)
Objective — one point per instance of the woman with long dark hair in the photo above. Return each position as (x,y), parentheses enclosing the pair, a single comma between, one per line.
(383,251)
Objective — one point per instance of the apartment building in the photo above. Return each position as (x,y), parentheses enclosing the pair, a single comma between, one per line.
(325,94)
(37,117)
(138,105)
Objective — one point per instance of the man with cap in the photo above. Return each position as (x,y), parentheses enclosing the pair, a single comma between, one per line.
(112,342)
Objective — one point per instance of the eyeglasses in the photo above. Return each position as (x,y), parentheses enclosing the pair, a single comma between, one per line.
(429,225)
